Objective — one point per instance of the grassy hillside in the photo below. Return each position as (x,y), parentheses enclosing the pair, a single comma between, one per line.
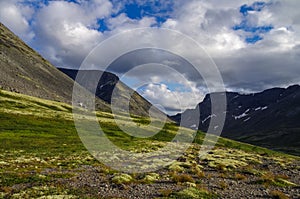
(43,157)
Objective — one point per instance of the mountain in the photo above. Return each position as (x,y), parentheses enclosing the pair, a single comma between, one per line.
(269,118)
(25,71)
(109,83)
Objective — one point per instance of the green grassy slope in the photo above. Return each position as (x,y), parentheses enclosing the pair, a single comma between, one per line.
(42,155)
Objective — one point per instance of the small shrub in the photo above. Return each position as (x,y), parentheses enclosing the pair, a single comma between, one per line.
(6,189)
(239,176)
(250,170)
(122,179)
(190,184)
(198,172)
(165,192)
(278,195)
(282,176)
(269,178)
(176,167)
(208,175)
(182,178)
(223,185)
(223,175)
(202,187)
(221,167)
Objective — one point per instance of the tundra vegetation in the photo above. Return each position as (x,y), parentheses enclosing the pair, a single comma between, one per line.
(42,156)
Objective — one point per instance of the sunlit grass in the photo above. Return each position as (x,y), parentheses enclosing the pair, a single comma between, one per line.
(40,145)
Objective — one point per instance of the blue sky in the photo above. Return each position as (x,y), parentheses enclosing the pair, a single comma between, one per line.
(162,11)
(256,31)
(250,41)
(137,11)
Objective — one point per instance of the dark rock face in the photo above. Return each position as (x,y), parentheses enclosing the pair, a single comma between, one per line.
(106,84)
(269,119)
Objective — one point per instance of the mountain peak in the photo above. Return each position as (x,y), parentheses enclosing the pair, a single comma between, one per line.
(109,83)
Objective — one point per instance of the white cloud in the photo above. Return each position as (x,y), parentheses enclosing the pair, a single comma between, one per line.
(172,101)
(16,17)
(252,67)
(122,22)
(208,24)
(70,33)
(163,85)
(262,18)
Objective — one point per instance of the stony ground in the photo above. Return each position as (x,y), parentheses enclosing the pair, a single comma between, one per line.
(223,173)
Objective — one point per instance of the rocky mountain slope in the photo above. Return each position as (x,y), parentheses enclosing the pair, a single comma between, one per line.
(269,119)
(110,83)
(25,71)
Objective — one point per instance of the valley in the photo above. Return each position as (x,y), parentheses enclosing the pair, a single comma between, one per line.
(42,156)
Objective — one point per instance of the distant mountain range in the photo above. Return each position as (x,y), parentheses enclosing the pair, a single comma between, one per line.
(270,118)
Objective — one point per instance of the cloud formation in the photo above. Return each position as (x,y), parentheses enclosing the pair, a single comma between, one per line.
(17,18)
(255,44)
(68,31)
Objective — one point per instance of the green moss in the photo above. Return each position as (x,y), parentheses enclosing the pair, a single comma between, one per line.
(58,197)
(271,179)
(122,179)
(44,192)
(181,166)
(151,177)
(176,167)
(230,159)
(284,183)
(193,193)
(9,179)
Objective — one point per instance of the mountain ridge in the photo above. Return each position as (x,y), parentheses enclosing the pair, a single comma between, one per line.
(269,118)
(109,85)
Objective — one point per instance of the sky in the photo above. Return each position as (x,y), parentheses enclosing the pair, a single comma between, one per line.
(254,44)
